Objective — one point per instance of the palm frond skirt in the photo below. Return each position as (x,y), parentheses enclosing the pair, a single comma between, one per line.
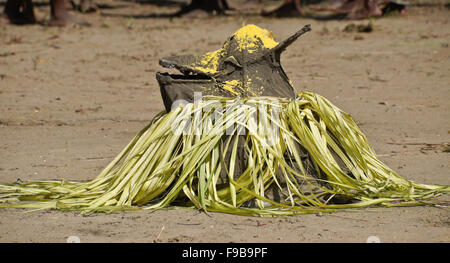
(251,156)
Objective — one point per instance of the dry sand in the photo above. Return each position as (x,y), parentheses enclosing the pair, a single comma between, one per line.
(71,98)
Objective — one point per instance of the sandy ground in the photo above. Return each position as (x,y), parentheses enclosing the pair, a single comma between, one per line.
(71,98)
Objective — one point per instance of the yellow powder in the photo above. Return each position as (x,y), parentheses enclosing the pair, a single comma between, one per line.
(249,82)
(232,86)
(209,62)
(250,38)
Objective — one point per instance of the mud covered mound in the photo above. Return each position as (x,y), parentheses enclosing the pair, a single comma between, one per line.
(247,65)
